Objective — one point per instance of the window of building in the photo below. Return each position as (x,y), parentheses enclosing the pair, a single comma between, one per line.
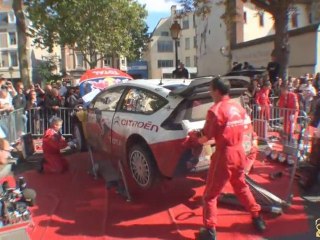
(12,38)
(107,61)
(194,20)
(165,63)
(310,18)
(245,17)
(294,20)
(185,24)
(165,46)
(12,17)
(14,59)
(108,100)
(142,101)
(79,60)
(3,40)
(195,59)
(4,59)
(165,34)
(188,62)
(187,43)
(261,19)
(195,41)
(4,18)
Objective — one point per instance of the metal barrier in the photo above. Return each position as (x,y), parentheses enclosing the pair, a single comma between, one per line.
(13,124)
(274,122)
(38,120)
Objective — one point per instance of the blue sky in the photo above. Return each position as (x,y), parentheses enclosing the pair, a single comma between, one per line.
(157,9)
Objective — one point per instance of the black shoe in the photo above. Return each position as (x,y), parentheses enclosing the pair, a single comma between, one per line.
(259,223)
(206,234)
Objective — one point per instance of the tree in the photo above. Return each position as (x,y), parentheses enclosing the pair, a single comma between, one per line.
(280,11)
(96,29)
(21,25)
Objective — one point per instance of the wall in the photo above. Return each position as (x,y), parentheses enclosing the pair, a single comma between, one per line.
(302,59)
(211,37)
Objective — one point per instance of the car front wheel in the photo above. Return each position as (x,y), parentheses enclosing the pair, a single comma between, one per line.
(142,166)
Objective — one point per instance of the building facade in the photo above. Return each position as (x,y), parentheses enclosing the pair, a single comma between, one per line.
(161,50)
(251,38)
(68,61)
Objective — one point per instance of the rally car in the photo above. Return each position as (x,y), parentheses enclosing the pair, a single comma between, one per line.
(144,124)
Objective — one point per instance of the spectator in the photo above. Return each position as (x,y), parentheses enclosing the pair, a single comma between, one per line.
(277,87)
(317,82)
(273,69)
(53,101)
(73,99)
(62,88)
(19,100)
(263,101)
(308,93)
(33,107)
(236,66)
(254,88)
(5,168)
(289,101)
(5,101)
(180,72)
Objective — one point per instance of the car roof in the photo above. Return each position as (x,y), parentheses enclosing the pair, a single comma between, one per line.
(162,86)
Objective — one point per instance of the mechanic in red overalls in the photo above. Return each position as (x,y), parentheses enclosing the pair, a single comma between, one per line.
(225,124)
(53,142)
(288,100)
(263,101)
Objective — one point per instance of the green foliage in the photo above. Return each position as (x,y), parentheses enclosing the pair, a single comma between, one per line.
(46,68)
(95,28)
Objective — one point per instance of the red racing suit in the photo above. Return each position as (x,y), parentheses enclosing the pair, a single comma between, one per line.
(53,142)
(262,99)
(250,144)
(225,124)
(289,101)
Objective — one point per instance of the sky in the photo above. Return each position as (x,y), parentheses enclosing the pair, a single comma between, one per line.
(157,9)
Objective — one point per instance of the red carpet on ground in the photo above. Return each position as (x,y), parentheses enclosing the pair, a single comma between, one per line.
(75,206)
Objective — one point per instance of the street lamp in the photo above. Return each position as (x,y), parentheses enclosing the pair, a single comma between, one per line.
(10,72)
(175,30)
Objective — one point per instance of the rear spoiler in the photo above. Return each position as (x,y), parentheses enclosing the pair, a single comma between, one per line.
(200,86)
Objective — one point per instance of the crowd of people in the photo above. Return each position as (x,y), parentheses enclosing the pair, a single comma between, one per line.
(37,101)
(300,93)
(51,96)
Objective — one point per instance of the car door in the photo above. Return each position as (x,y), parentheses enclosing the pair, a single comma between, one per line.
(135,116)
(100,117)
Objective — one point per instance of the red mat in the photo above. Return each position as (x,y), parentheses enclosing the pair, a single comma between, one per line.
(74,206)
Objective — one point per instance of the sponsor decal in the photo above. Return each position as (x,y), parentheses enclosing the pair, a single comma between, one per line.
(136,124)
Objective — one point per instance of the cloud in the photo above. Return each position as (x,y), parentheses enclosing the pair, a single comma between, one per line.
(161,6)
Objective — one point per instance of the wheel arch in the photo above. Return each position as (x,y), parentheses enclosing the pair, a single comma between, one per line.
(134,139)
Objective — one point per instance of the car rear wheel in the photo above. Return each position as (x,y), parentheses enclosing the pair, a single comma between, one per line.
(142,166)
(79,136)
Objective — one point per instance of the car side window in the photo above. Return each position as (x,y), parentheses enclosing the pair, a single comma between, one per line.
(107,101)
(142,101)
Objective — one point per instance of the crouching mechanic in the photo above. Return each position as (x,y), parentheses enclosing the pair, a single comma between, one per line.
(225,123)
(53,142)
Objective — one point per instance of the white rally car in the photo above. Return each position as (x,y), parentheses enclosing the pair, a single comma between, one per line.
(143,123)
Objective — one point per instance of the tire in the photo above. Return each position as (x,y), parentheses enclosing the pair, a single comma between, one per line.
(79,136)
(142,166)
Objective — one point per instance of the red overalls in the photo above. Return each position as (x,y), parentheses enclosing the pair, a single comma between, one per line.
(225,123)
(289,101)
(262,99)
(52,143)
